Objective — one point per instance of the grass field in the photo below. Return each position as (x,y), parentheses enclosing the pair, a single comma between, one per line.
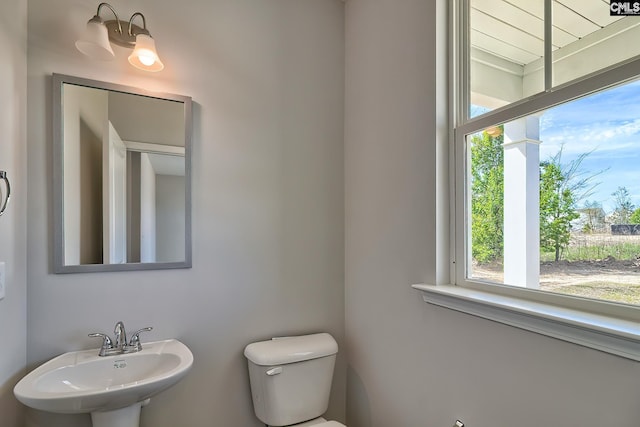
(590,247)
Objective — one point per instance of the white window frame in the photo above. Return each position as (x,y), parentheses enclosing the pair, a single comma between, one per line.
(606,326)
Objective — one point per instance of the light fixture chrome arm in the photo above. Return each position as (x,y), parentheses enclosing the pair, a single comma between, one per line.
(142,30)
(119,29)
(126,38)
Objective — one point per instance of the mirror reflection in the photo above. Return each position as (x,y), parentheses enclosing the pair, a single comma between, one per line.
(124,179)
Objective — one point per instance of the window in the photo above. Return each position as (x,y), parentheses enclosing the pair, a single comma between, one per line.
(554,198)
(546,107)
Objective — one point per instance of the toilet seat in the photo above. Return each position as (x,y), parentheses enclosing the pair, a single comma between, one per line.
(319,422)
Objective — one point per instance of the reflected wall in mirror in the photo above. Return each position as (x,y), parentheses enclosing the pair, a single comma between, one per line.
(122,177)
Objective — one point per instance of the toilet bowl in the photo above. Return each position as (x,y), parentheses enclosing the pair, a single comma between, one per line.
(291,379)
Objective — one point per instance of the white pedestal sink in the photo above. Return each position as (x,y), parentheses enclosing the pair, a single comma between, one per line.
(112,388)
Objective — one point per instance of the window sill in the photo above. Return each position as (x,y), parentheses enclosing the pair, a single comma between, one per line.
(608,334)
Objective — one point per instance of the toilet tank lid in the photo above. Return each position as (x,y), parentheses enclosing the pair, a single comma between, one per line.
(283,350)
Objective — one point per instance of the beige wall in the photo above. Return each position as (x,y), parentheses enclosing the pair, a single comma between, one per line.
(411,364)
(266,77)
(13,232)
(170,217)
(85,119)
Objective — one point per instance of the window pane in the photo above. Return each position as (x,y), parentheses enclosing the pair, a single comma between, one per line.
(506,37)
(554,199)
(507,46)
(587,38)
(486,205)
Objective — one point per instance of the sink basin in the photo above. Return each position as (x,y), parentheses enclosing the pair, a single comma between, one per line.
(81,381)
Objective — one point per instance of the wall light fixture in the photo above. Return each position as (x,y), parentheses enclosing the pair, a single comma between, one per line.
(95,42)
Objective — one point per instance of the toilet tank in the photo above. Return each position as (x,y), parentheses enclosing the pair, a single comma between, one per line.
(291,377)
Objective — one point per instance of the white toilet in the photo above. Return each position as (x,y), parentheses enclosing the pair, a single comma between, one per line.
(291,379)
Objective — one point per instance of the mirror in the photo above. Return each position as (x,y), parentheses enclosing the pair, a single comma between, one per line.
(122,177)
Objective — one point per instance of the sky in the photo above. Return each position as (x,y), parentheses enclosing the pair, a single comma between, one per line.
(607,126)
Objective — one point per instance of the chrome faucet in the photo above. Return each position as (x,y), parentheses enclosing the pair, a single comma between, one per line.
(121,336)
(121,345)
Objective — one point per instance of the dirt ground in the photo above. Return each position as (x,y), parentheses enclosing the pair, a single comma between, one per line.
(563,273)
(606,279)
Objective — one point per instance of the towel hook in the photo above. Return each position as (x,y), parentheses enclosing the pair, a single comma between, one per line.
(3,205)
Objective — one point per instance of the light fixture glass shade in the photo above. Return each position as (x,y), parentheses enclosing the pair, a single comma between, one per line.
(95,41)
(144,56)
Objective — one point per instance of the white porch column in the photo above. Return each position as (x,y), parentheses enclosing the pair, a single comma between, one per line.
(521,202)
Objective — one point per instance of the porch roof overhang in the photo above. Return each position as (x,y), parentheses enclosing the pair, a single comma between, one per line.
(507,45)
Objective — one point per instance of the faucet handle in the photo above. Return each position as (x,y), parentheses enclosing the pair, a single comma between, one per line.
(107,344)
(134,342)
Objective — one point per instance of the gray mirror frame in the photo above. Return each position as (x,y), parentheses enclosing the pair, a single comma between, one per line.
(58,181)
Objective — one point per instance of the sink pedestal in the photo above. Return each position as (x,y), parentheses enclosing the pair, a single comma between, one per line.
(125,417)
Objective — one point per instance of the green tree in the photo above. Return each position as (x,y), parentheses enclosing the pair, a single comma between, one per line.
(623,206)
(487,190)
(562,187)
(556,209)
(635,217)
